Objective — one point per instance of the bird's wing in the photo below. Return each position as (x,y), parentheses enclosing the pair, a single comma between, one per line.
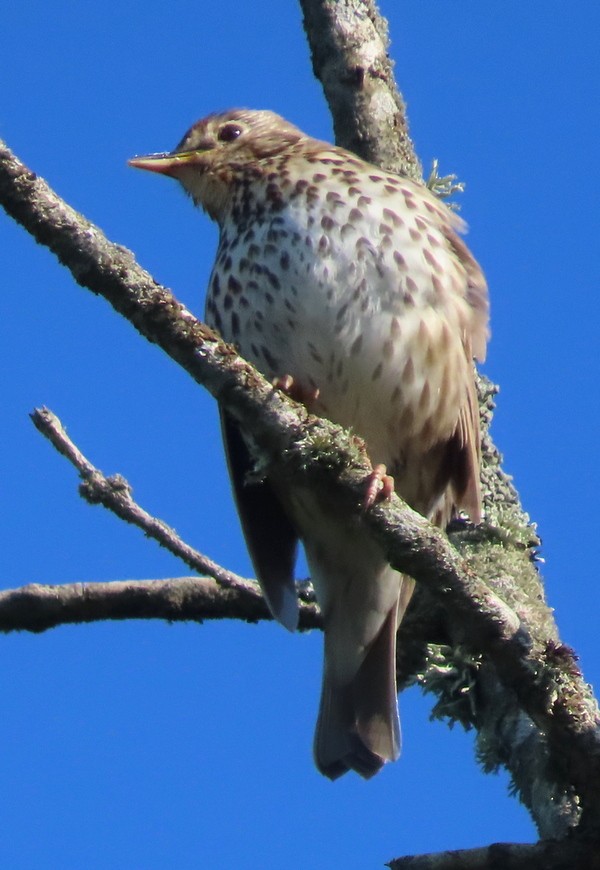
(476,289)
(465,446)
(270,536)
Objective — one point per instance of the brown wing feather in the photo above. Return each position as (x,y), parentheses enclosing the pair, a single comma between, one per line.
(270,536)
(476,295)
(461,463)
(463,454)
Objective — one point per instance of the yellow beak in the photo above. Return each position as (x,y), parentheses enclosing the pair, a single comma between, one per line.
(164,163)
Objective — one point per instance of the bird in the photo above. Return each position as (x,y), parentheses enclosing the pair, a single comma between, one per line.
(351,287)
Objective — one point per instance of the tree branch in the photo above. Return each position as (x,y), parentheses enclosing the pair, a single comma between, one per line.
(547,855)
(349,42)
(114,493)
(37,608)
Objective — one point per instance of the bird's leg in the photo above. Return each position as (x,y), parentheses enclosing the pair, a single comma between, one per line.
(298,392)
(379,486)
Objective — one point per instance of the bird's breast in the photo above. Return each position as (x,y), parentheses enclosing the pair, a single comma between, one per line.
(350,301)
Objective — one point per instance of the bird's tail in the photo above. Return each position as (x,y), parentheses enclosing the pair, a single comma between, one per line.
(358,726)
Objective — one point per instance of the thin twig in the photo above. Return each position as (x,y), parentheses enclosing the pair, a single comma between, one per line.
(114,493)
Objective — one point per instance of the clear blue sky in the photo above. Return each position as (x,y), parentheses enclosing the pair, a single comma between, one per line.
(144,745)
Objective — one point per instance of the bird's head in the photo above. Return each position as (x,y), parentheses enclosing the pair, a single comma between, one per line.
(220,148)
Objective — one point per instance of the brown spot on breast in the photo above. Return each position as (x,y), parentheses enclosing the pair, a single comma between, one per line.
(355,215)
(269,358)
(272,279)
(411,285)
(388,349)
(215,286)
(364,200)
(375,178)
(346,230)
(432,260)
(433,240)
(235,324)
(395,328)
(377,371)
(318,177)
(315,353)
(324,245)
(414,234)
(228,302)
(342,311)
(421,224)
(234,285)
(408,372)
(218,323)
(354,191)
(356,345)
(391,216)
(399,260)
(437,285)
(284,260)
(327,223)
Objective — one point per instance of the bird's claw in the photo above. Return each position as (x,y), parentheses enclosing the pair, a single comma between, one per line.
(296,391)
(379,487)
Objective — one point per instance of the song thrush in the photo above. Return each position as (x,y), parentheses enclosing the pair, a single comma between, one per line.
(354,282)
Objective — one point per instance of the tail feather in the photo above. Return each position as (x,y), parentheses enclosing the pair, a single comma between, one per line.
(358,726)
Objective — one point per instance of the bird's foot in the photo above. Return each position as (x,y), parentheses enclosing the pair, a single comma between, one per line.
(379,487)
(296,391)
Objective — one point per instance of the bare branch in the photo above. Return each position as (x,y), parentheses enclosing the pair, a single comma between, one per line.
(547,855)
(37,608)
(114,493)
(349,42)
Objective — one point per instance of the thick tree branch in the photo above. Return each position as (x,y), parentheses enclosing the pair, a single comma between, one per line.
(542,677)
(348,41)
(547,855)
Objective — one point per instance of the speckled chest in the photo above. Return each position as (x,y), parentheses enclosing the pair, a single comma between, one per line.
(341,279)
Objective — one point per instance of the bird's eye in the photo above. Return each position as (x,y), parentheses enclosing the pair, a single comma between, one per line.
(229,132)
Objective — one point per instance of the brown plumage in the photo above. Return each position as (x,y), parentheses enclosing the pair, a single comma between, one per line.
(354,281)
